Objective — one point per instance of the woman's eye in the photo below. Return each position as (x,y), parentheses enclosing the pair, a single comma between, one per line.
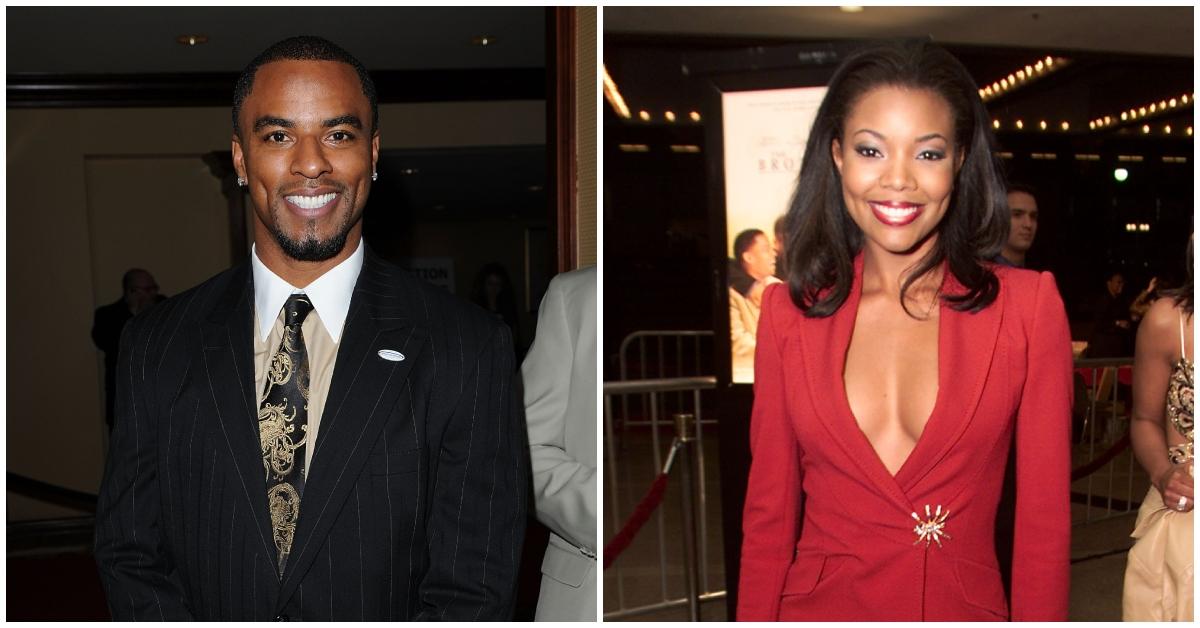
(867,151)
(932,155)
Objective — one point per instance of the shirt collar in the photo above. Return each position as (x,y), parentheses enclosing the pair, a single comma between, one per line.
(330,293)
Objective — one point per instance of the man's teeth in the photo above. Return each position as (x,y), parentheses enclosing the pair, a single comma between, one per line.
(311,202)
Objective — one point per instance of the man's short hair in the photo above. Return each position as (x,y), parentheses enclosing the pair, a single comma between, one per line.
(1024,188)
(744,241)
(302,48)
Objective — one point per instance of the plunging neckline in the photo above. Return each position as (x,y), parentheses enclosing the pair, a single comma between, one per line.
(854,299)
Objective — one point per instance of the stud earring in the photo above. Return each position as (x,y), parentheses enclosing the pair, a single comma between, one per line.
(241,182)
(374,176)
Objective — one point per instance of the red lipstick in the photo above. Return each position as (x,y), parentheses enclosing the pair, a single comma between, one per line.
(895,213)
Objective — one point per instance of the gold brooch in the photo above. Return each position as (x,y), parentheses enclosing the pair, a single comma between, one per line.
(933,528)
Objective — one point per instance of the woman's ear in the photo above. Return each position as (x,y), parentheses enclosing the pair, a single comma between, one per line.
(835,150)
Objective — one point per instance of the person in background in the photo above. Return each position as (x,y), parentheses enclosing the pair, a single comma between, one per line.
(493,291)
(1111,335)
(781,248)
(1142,302)
(560,413)
(752,269)
(1158,574)
(139,292)
(1023,227)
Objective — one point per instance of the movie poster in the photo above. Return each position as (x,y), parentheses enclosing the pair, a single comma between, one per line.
(764,136)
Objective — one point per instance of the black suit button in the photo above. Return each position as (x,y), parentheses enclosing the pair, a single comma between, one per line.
(282,618)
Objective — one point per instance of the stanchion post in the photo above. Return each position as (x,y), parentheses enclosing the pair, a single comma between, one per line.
(685,431)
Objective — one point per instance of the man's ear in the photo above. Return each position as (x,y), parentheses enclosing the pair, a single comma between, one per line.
(239,160)
(835,150)
(375,151)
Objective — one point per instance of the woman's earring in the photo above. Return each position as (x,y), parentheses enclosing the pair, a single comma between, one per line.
(241,182)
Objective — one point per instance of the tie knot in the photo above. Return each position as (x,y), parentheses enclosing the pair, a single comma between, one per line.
(296,309)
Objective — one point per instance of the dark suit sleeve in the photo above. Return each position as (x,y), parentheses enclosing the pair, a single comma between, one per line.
(138,579)
(477,519)
(106,329)
(1042,537)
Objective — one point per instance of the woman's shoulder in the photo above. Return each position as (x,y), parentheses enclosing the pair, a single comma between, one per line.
(778,298)
(1018,279)
(1021,285)
(1163,317)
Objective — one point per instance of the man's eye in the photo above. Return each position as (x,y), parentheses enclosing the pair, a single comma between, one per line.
(340,136)
(277,136)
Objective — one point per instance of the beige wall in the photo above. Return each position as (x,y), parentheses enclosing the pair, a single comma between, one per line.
(586,122)
(82,184)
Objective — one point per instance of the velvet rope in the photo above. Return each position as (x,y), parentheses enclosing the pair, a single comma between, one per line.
(636,520)
(1091,467)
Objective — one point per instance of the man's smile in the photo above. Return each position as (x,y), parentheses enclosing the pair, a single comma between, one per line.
(311,202)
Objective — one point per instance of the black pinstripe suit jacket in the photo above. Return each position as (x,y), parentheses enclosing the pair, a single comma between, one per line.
(415,503)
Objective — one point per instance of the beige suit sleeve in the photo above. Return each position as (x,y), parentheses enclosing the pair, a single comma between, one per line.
(564,487)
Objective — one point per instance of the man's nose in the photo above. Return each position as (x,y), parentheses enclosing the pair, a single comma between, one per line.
(310,160)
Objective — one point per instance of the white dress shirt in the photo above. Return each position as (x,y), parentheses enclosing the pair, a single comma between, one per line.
(322,329)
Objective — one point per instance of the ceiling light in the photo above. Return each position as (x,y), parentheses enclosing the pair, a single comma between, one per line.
(1065,126)
(695,116)
(851,9)
(1120,174)
(644,115)
(1042,125)
(1167,129)
(1145,128)
(670,116)
(613,96)
(483,40)
(192,40)
(1020,125)
(995,124)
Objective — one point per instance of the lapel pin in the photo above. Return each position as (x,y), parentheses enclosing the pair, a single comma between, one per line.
(390,355)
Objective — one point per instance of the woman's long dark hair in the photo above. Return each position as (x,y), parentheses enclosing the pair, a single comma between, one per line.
(822,239)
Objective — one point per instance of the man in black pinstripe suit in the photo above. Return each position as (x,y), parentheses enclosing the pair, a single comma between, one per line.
(415,471)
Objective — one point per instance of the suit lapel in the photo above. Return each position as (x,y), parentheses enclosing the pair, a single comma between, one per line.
(825,341)
(362,393)
(966,343)
(228,357)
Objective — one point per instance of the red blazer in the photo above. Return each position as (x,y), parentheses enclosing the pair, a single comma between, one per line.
(829,532)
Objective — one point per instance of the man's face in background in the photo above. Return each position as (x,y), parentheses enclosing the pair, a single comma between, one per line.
(1024,221)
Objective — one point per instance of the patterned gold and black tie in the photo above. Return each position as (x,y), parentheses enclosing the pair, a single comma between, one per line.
(283,426)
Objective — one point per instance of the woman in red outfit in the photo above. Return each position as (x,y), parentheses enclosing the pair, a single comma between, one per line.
(899,365)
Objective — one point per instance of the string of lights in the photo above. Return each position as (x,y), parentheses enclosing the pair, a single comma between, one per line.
(1022,76)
